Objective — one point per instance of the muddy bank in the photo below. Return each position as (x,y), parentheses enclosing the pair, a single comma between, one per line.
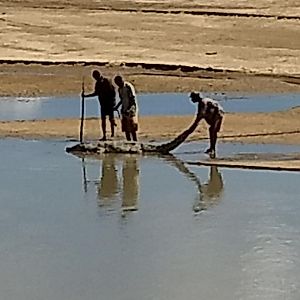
(27,78)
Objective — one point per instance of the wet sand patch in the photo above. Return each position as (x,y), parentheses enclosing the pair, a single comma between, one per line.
(256,161)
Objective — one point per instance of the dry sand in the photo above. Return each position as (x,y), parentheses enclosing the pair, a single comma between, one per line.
(47,47)
(160,45)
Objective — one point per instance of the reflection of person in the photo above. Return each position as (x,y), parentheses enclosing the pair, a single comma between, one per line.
(129,109)
(130,175)
(212,190)
(108,186)
(105,91)
(212,112)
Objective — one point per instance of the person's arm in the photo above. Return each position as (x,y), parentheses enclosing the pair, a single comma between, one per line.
(94,94)
(131,95)
(90,95)
(118,105)
(132,109)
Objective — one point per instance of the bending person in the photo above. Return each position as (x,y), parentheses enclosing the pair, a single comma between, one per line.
(129,109)
(212,112)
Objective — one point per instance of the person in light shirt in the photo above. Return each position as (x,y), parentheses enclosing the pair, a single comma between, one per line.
(129,108)
(212,112)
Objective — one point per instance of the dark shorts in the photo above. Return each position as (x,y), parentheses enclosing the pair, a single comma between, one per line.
(107,112)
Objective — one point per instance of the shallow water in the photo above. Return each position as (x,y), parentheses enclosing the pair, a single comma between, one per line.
(149,104)
(73,229)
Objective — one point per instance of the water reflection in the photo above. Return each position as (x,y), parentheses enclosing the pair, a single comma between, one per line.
(84,178)
(119,177)
(130,176)
(210,193)
(212,190)
(108,184)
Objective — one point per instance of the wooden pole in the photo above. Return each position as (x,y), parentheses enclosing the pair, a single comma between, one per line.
(82,114)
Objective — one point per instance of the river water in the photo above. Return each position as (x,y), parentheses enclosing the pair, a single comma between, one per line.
(145,227)
(149,104)
(132,227)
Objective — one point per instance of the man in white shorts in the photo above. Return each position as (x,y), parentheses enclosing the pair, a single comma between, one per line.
(212,112)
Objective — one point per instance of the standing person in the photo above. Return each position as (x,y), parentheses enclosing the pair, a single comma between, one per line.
(129,109)
(212,112)
(106,93)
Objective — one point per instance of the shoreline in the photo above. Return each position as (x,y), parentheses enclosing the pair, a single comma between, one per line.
(281,127)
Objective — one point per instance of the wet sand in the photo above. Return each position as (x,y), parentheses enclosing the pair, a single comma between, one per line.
(280,162)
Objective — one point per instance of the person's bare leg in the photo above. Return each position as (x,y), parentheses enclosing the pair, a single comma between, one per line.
(127,134)
(134,136)
(211,140)
(213,144)
(103,125)
(112,127)
(214,136)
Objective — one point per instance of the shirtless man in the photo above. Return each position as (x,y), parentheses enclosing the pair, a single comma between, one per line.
(105,91)
(212,112)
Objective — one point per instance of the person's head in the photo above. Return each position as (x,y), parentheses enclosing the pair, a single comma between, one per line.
(195,97)
(96,75)
(119,81)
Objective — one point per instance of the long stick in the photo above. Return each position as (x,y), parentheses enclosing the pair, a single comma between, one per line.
(82,113)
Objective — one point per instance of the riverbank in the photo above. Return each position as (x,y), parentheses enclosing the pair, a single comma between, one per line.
(277,127)
(29,79)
